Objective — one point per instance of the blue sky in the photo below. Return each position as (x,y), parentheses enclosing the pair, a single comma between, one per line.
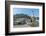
(27,11)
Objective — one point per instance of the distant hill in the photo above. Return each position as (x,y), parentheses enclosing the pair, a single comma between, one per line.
(22,16)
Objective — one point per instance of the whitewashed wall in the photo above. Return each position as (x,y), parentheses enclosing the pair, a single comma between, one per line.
(2,17)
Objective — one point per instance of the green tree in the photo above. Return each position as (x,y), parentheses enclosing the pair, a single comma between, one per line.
(33,21)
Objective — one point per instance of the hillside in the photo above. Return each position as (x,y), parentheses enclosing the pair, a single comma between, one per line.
(21,16)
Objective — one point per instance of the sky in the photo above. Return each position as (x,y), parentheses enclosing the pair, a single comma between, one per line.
(27,11)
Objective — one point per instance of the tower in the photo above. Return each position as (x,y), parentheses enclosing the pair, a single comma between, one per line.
(32,14)
(33,19)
